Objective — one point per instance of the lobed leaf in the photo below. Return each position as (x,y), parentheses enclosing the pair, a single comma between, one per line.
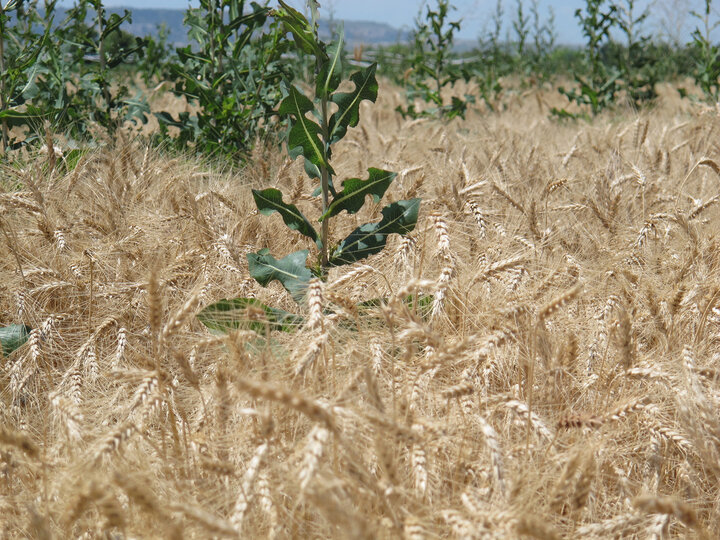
(290,271)
(330,74)
(271,200)
(348,114)
(303,33)
(13,117)
(352,197)
(114,22)
(399,218)
(304,138)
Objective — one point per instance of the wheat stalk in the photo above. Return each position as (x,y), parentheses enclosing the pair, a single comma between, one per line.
(247,491)
(312,455)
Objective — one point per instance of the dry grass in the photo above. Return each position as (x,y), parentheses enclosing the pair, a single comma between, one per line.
(564,383)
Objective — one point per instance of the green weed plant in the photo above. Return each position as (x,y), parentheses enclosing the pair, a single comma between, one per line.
(318,121)
(432,70)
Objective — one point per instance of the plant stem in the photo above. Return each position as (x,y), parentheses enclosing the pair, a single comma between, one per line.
(2,79)
(325,181)
(101,54)
(324,173)
(213,27)
(215,12)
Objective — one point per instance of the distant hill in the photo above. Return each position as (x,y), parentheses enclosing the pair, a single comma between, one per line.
(146,21)
(366,32)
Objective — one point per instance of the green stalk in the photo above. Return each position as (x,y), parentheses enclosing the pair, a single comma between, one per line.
(324,173)
(325,183)
(223,38)
(101,54)
(2,79)
(213,27)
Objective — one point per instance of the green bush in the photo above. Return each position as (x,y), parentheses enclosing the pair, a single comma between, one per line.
(432,69)
(231,73)
(64,77)
(706,53)
(312,138)
(598,82)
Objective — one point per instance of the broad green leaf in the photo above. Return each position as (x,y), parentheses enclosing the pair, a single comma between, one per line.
(12,337)
(31,89)
(238,20)
(328,79)
(30,54)
(232,314)
(352,197)
(271,200)
(13,117)
(348,114)
(304,138)
(290,271)
(165,118)
(296,23)
(137,109)
(399,217)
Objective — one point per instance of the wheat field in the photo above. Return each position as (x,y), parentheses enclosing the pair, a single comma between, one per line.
(561,379)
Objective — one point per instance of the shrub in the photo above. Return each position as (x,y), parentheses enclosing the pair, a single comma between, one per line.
(231,72)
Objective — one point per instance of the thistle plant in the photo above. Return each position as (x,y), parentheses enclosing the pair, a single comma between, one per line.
(313,137)
(231,71)
(19,51)
(432,70)
(639,75)
(707,68)
(600,84)
(488,73)
(521,27)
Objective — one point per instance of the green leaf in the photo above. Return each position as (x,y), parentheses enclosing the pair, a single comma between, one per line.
(227,315)
(31,52)
(328,79)
(399,217)
(13,117)
(295,23)
(304,138)
(113,23)
(12,337)
(348,114)
(255,18)
(289,271)
(271,200)
(352,197)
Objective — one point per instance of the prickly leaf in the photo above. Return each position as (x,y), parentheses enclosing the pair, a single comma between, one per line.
(271,200)
(348,114)
(302,31)
(290,271)
(399,217)
(328,79)
(304,138)
(352,197)
(13,117)
(12,337)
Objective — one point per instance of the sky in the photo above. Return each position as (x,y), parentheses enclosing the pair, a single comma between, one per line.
(669,16)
